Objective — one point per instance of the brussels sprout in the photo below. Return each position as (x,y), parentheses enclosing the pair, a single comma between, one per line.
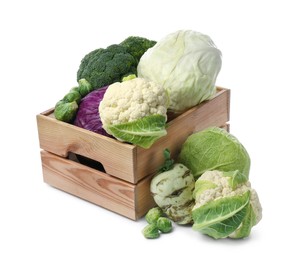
(73,95)
(65,111)
(153,215)
(151,231)
(164,225)
(84,87)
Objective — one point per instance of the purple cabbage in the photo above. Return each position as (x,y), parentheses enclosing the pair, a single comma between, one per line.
(87,116)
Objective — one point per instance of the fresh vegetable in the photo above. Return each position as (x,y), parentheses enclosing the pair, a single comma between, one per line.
(226,205)
(186,63)
(214,149)
(137,46)
(87,116)
(134,111)
(151,231)
(66,109)
(172,189)
(157,223)
(164,225)
(153,215)
(102,67)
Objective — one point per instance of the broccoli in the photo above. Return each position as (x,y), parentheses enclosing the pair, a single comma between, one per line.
(137,46)
(103,67)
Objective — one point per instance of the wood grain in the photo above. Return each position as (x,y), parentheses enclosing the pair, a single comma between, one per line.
(97,187)
(61,138)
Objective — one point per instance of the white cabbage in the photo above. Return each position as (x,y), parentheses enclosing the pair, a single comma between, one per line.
(186,63)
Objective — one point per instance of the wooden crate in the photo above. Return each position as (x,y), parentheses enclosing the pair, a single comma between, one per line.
(123,185)
(125,161)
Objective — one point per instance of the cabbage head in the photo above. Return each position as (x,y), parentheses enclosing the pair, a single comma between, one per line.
(214,149)
(87,116)
(186,63)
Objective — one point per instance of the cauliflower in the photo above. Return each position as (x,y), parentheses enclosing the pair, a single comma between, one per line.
(225,205)
(135,111)
(220,188)
(132,99)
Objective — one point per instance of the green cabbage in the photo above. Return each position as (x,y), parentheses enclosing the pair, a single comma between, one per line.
(186,63)
(214,149)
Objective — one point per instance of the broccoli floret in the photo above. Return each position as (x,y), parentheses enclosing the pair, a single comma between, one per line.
(103,67)
(137,46)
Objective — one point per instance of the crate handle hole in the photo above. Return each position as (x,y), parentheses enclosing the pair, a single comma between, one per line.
(86,161)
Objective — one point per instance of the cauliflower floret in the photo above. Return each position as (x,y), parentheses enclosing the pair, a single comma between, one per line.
(131,100)
(254,200)
(221,188)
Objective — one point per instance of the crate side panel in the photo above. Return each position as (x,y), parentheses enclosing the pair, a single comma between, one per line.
(61,138)
(214,112)
(89,184)
(144,200)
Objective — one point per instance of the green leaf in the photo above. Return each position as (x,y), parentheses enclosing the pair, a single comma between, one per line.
(168,163)
(226,227)
(236,178)
(142,132)
(217,211)
(246,225)
(201,186)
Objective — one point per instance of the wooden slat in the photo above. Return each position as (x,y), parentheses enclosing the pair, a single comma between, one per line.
(94,186)
(144,200)
(61,138)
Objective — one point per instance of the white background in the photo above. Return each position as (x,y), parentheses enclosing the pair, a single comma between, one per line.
(42,43)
